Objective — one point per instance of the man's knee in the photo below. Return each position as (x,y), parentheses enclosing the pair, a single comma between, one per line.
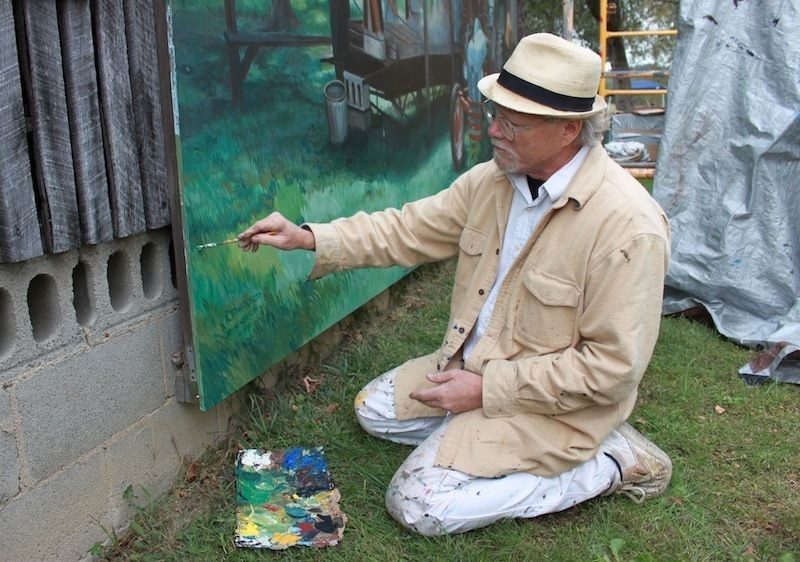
(414,509)
(369,420)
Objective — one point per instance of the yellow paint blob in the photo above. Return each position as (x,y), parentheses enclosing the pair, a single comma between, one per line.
(285,539)
(245,526)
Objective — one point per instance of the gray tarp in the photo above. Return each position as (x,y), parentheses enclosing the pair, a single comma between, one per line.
(728,172)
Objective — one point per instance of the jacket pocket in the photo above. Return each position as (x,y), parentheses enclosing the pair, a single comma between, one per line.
(472,245)
(547,311)
(472,242)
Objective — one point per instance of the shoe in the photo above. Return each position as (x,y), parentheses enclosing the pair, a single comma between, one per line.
(645,469)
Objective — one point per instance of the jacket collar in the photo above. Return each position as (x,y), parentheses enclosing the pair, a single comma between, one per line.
(504,192)
(586,180)
(580,189)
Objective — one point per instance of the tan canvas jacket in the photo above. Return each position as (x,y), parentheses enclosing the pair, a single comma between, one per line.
(574,325)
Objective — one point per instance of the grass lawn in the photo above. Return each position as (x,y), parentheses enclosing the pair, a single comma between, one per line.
(735,492)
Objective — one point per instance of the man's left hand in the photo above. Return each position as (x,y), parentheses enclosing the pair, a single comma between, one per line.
(458,391)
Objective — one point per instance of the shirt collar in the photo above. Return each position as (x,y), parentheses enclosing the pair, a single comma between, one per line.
(555,185)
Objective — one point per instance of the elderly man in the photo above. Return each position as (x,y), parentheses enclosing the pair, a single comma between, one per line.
(554,314)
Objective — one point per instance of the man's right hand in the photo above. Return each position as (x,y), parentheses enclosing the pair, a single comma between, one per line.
(278,232)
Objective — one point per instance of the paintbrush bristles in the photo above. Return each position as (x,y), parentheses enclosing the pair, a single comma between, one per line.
(228,241)
(214,244)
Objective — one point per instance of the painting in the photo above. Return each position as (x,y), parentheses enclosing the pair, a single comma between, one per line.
(317,109)
(286,497)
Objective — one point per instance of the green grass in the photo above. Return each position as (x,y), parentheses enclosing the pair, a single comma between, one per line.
(735,493)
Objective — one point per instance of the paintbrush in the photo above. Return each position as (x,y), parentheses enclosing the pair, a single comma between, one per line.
(201,247)
(215,244)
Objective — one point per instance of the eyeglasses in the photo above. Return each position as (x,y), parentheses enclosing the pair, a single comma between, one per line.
(507,128)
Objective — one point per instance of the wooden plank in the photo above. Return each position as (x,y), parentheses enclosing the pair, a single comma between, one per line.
(83,106)
(20,238)
(52,147)
(143,61)
(116,110)
(185,379)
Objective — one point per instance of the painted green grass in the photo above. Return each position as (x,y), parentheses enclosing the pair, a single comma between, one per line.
(735,493)
(237,166)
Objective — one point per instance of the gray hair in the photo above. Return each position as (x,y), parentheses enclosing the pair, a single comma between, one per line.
(593,129)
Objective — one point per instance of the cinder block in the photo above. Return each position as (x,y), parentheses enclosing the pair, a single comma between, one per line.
(131,461)
(183,430)
(58,302)
(58,520)
(71,407)
(40,291)
(6,421)
(172,357)
(124,268)
(150,454)
(9,455)
(9,467)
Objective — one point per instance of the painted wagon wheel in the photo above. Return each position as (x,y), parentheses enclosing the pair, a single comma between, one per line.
(457,127)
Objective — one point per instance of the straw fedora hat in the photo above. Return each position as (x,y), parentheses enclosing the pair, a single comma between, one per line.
(547,75)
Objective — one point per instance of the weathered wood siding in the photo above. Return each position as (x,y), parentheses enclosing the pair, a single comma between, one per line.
(81,128)
(20,237)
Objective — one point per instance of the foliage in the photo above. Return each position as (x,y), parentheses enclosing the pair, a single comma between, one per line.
(645,52)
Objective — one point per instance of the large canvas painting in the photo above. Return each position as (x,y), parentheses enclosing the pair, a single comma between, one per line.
(316,109)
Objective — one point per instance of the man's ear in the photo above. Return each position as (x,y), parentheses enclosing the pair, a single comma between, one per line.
(571,131)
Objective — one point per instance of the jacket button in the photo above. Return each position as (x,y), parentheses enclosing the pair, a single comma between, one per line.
(497,252)
(461,330)
(480,291)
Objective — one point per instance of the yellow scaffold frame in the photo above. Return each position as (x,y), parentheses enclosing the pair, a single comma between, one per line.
(605,35)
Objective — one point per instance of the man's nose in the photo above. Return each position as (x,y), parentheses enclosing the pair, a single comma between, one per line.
(494,130)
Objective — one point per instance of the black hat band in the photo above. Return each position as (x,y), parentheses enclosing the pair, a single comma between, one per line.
(542,95)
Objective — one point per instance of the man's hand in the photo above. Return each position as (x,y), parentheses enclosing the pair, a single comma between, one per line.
(458,391)
(278,232)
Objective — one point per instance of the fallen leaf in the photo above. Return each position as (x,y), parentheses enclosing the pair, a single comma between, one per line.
(412,302)
(310,384)
(192,471)
(295,407)
(676,500)
(332,407)
(719,409)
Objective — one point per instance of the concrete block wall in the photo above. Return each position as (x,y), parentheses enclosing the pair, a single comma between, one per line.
(87,394)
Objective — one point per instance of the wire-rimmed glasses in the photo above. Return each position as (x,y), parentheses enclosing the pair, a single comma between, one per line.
(507,128)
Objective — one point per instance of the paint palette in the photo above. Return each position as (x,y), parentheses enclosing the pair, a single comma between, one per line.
(286,497)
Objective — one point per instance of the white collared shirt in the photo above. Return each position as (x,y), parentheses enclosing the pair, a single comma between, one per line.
(523,218)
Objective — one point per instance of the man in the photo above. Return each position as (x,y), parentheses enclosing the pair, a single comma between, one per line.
(554,314)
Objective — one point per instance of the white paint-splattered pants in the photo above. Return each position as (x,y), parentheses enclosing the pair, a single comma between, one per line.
(436,501)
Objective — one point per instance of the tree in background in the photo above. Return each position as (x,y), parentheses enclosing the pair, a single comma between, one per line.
(638,53)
